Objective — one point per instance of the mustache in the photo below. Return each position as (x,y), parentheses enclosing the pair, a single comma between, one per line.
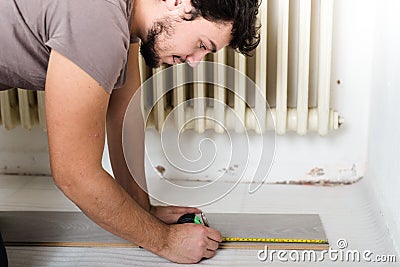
(179,59)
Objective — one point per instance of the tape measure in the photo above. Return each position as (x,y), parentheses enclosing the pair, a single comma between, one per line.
(201,219)
(273,240)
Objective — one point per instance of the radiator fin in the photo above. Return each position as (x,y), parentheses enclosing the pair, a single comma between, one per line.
(22,107)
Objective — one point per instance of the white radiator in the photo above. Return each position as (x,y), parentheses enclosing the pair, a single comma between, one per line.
(291,67)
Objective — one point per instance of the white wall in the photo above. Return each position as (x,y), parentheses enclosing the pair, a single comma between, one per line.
(366,60)
(23,151)
(26,152)
(384,141)
(362,45)
(342,155)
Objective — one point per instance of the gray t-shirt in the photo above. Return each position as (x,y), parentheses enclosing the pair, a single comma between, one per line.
(94,34)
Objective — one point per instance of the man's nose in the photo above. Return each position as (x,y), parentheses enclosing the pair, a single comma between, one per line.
(195,59)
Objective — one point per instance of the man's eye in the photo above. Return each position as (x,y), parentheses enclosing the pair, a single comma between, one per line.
(202,46)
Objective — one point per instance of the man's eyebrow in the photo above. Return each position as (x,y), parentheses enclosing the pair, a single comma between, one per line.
(213,47)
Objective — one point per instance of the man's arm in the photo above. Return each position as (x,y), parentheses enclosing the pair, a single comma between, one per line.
(76,107)
(118,104)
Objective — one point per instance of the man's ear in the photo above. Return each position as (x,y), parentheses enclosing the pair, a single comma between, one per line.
(172,4)
(185,5)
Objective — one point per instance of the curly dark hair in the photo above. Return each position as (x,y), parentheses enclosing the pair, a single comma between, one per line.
(243,14)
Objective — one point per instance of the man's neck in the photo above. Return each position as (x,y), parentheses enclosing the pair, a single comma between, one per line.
(143,14)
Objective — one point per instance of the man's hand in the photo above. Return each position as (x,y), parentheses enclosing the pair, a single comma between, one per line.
(189,243)
(171,214)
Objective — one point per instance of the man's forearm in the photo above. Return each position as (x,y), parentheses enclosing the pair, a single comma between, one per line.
(118,104)
(120,169)
(107,204)
(123,175)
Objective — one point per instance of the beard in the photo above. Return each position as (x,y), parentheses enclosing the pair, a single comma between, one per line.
(148,48)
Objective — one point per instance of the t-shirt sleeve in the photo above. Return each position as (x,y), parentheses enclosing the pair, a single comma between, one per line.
(94,35)
(134,39)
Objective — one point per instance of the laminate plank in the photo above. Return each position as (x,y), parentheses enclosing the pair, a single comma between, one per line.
(66,229)
(353,214)
(52,226)
(252,225)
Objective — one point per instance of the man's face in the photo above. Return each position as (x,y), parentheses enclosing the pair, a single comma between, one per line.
(173,41)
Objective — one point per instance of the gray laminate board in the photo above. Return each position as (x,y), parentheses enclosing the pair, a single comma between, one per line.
(52,226)
(49,228)
(289,226)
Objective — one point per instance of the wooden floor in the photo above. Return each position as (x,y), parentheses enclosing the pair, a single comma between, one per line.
(347,212)
(74,229)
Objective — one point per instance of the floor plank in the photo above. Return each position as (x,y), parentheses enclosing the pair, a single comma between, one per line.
(51,228)
(347,212)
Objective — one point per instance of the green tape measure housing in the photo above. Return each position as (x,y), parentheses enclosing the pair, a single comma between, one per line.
(273,240)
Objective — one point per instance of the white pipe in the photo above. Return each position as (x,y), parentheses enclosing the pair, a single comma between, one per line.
(199,98)
(219,92)
(303,68)
(179,94)
(282,66)
(9,112)
(41,109)
(158,85)
(324,71)
(240,92)
(261,66)
(143,77)
(27,108)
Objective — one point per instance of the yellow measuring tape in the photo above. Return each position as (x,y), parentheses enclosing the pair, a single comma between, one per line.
(273,240)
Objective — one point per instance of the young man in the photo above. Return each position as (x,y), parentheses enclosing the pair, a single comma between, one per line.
(78,52)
